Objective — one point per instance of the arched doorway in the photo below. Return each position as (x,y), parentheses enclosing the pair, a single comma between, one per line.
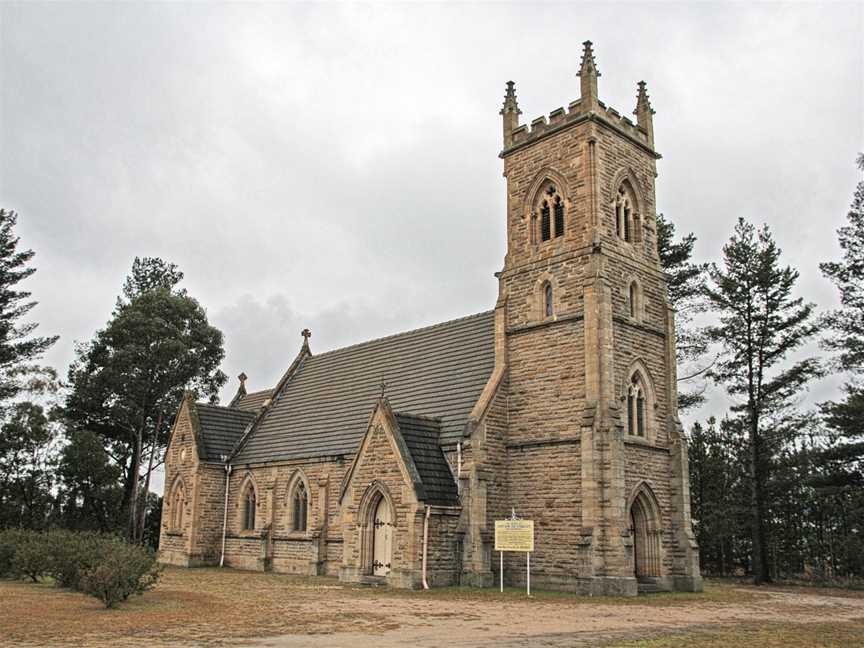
(382,538)
(645,531)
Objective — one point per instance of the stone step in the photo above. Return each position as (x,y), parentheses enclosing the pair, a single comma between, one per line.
(650,588)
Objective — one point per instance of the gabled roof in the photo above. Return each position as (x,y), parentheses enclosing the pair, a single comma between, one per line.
(421,436)
(252,402)
(322,410)
(221,429)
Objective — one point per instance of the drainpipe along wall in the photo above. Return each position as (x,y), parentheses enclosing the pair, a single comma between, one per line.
(426,544)
(225,514)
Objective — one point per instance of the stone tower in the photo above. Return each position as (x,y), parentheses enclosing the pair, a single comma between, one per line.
(594,448)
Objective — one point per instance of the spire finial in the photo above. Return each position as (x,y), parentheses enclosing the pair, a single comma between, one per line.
(589,65)
(643,101)
(588,73)
(510,113)
(644,111)
(510,103)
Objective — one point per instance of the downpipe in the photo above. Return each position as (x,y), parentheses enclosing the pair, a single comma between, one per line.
(225,515)
(426,544)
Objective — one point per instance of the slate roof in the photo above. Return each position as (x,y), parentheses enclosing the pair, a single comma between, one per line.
(254,401)
(221,429)
(323,410)
(421,437)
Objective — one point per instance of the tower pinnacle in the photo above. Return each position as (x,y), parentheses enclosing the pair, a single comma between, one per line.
(644,111)
(588,73)
(510,113)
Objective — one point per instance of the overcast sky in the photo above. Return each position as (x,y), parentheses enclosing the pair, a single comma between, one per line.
(336,166)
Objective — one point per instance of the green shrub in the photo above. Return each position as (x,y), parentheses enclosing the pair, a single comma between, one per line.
(97,564)
(10,540)
(32,557)
(73,553)
(122,570)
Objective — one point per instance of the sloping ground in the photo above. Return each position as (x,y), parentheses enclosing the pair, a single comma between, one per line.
(209,607)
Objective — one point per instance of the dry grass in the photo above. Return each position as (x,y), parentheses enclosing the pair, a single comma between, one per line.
(822,635)
(202,606)
(720,592)
(210,607)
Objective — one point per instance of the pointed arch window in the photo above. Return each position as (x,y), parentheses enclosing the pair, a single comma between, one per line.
(636,406)
(626,218)
(548,302)
(299,507)
(249,504)
(551,208)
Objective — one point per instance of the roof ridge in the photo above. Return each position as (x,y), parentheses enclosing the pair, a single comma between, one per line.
(225,408)
(395,335)
(256,393)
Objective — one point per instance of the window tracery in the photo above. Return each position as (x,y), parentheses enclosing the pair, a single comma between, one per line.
(551,208)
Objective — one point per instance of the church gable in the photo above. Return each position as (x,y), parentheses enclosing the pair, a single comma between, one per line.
(398,473)
(383,456)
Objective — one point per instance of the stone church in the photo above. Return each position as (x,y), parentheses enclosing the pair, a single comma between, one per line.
(389,461)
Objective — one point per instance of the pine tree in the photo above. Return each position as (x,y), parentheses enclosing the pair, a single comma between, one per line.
(760,324)
(840,473)
(848,276)
(18,347)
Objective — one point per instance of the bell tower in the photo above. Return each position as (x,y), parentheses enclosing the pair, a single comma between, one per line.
(588,339)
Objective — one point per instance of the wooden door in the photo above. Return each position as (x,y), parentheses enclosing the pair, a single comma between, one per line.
(382,540)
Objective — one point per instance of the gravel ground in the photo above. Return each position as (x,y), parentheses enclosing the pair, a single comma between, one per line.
(211,607)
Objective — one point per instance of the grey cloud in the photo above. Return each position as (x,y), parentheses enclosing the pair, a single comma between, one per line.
(335,166)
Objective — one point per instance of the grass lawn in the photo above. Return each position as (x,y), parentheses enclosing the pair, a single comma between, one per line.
(209,607)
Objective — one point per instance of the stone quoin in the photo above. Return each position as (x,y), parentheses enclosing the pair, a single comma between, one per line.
(389,461)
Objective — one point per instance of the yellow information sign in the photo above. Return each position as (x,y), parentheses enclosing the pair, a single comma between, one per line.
(514,535)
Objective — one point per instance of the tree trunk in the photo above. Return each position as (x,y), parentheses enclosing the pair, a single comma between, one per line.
(142,511)
(133,491)
(757,517)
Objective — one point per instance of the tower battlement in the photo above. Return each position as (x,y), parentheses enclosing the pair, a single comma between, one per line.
(587,107)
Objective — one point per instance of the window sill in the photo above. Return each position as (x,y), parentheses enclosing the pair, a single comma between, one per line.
(249,533)
(293,536)
(643,442)
(174,533)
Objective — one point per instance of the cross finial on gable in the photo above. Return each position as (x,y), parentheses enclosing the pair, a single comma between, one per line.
(383,386)
(306,333)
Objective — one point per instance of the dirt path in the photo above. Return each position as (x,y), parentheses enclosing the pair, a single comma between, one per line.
(504,624)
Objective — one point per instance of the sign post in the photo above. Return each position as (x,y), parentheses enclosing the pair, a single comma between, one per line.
(514,534)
